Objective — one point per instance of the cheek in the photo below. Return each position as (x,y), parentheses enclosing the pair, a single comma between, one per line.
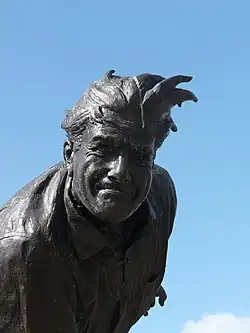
(81,170)
(89,170)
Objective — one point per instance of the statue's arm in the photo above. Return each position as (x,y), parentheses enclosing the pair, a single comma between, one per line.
(166,188)
(33,297)
(169,210)
(9,293)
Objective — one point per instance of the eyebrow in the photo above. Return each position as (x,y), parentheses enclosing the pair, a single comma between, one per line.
(101,138)
(115,138)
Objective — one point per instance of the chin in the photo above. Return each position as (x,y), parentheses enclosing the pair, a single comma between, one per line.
(113,215)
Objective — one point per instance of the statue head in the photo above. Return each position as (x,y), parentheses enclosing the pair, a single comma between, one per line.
(113,133)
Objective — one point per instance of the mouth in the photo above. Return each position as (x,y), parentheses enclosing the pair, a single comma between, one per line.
(110,191)
(108,188)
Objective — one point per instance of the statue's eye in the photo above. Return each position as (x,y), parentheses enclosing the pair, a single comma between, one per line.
(104,149)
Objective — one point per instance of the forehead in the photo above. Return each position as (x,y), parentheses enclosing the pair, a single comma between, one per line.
(138,136)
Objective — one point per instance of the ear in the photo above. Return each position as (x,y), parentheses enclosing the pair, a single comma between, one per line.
(67,151)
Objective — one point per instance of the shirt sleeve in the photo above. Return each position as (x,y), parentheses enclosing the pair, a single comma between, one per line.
(41,302)
(165,194)
(9,293)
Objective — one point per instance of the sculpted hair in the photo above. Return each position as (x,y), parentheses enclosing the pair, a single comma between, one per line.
(101,103)
(121,100)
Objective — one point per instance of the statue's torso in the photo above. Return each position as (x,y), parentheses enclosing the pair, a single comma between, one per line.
(80,283)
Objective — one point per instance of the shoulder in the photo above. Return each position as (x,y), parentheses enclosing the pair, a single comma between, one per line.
(163,183)
(22,214)
(163,197)
(11,247)
(10,252)
(10,259)
(162,174)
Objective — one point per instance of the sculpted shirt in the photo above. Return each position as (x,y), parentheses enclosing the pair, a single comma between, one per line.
(59,272)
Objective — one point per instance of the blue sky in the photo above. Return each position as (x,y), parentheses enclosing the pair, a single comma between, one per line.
(52,50)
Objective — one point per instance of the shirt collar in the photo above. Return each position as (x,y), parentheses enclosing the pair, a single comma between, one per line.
(86,237)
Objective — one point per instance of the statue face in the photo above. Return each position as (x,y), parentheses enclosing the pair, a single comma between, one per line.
(112,171)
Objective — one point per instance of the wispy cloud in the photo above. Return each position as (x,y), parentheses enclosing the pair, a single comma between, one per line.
(218,323)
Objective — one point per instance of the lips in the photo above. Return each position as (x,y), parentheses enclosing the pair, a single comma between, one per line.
(116,188)
(108,187)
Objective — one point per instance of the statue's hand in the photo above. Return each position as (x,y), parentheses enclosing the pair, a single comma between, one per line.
(162,295)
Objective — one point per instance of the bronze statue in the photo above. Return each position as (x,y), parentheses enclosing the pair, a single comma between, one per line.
(83,247)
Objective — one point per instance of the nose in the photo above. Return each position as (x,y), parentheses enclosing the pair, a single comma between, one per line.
(118,168)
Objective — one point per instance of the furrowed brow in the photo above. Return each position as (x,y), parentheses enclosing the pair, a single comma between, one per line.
(104,139)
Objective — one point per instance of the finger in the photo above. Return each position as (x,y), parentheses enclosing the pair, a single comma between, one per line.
(162,92)
(177,79)
(169,83)
(162,296)
(162,301)
(173,125)
(174,128)
(178,96)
